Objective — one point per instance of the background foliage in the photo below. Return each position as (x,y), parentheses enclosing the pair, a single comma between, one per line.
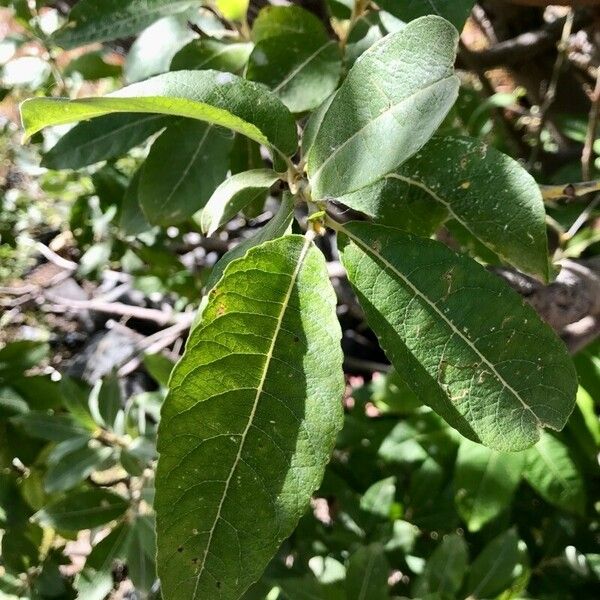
(104,216)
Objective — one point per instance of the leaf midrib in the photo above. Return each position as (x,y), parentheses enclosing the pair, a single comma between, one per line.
(259,391)
(298,69)
(380,116)
(368,250)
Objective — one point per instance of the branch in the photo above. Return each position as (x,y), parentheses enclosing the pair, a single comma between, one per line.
(590,138)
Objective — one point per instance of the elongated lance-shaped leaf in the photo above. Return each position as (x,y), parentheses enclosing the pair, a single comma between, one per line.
(250,421)
(213,96)
(233,195)
(184,167)
(275,228)
(467,343)
(390,104)
(101,139)
(93,21)
(485,482)
(487,192)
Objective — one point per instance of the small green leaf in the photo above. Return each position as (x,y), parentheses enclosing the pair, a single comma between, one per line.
(456,11)
(275,21)
(485,191)
(50,426)
(302,71)
(159,367)
(466,342)
(75,466)
(552,473)
(92,66)
(485,482)
(234,10)
(141,553)
(213,96)
(233,195)
(367,574)
(379,497)
(102,139)
(92,21)
(212,54)
(185,165)
(133,222)
(110,400)
(445,569)
(82,510)
(493,571)
(242,448)
(279,225)
(18,357)
(390,104)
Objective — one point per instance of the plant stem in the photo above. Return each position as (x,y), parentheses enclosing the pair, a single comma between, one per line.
(590,138)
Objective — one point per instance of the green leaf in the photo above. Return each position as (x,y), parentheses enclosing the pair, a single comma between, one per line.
(367,574)
(155,47)
(234,10)
(91,66)
(18,357)
(390,104)
(213,96)
(82,510)
(379,497)
(212,54)
(485,482)
(250,420)
(159,367)
(485,191)
(274,21)
(456,11)
(445,569)
(92,21)
(132,221)
(313,124)
(185,165)
(275,228)
(50,426)
(493,571)
(233,195)
(74,467)
(464,340)
(102,139)
(110,400)
(552,473)
(141,552)
(302,71)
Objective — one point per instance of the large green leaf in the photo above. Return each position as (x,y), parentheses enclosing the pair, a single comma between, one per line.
(82,510)
(50,426)
(456,11)
(551,472)
(213,96)
(233,195)
(487,192)
(302,71)
(464,340)
(185,165)
(250,421)
(92,21)
(485,481)
(101,139)
(390,104)
(276,227)
(367,574)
